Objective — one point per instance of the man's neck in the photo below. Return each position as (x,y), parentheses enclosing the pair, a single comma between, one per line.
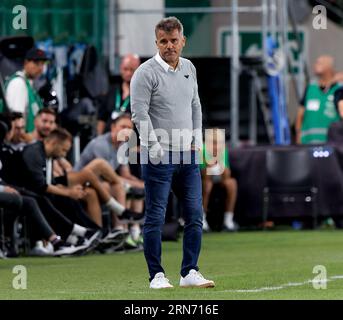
(174,65)
(27,75)
(115,144)
(326,80)
(114,141)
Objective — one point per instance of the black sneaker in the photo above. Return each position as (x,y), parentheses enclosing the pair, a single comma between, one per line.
(92,239)
(112,240)
(129,216)
(115,236)
(62,248)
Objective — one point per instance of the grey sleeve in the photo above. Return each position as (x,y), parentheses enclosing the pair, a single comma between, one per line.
(196,113)
(140,94)
(85,158)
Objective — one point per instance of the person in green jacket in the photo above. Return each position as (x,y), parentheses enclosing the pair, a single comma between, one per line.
(20,94)
(317,110)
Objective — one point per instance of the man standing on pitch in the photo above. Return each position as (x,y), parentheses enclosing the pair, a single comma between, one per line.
(164,99)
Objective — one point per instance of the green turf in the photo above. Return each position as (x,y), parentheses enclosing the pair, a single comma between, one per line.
(244,260)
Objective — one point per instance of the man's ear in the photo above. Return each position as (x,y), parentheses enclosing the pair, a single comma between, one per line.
(184,40)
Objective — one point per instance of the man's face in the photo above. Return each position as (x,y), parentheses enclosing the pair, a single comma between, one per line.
(18,130)
(323,65)
(127,68)
(59,149)
(44,124)
(170,45)
(34,69)
(121,130)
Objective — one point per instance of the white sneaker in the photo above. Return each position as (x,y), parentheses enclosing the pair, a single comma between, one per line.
(135,232)
(160,282)
(205,226)
(72,239)
(40,250)
(195,279)
(230,225)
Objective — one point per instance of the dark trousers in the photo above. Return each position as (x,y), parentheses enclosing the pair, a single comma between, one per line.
(26,206)
(10,201)
(58,221)
(185,180)
(72,209)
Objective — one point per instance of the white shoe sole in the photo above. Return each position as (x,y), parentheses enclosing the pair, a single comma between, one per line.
(162,288)
(205,285)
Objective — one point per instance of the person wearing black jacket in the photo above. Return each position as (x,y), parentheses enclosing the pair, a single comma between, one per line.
(37,176)
(18,204)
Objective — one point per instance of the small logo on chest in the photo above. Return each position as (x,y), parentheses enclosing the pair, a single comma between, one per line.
(186,76)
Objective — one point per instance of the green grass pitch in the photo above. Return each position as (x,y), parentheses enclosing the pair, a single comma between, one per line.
(244,265)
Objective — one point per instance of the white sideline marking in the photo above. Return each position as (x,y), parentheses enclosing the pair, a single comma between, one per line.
(283,286)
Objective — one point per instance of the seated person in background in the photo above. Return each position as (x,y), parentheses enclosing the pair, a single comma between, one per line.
(106,147)
(24,203)
(38,158)
(45,122)
(216,169)
(38,170)
(37,177)
(112,192)
(317,110)
(117,101)
(19,138)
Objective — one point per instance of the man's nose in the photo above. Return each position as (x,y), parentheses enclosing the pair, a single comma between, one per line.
(169,45)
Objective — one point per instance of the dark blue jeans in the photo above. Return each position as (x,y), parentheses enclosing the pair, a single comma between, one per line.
(185,180)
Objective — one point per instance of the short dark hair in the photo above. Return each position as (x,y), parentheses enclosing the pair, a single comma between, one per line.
(124,115)
(47,110)
(3,131)
(60,134)
(169,24)
(16,115)
(6,119)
